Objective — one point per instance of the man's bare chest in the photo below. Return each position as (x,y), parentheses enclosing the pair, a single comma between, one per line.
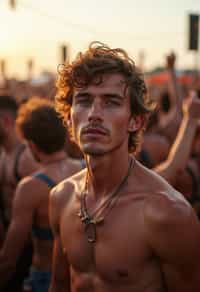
(120,250)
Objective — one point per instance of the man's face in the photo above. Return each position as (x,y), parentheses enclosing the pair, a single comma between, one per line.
(100,116)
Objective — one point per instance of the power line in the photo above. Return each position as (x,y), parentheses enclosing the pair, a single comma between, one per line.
(54,18)
(83,27)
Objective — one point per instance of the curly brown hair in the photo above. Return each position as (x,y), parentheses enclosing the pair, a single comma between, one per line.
(38,121)
(89,67)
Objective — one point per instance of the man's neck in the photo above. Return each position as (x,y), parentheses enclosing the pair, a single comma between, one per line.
(105,173)
(58,156)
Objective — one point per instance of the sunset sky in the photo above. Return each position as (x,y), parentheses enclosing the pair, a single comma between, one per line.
(36,29)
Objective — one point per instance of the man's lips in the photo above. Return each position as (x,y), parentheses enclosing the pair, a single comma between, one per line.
(94,131)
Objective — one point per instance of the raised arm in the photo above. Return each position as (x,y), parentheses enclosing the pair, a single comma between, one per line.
(18,231)
(60,279)
(181,148)
(169,122)
(173,86)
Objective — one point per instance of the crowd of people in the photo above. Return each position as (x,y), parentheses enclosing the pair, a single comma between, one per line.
(100,179)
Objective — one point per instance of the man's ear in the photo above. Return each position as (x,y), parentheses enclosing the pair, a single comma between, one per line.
(135,123)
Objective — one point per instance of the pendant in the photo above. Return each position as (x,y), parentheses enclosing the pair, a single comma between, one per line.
(90,228)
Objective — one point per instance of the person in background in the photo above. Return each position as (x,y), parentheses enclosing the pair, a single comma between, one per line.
(16,162)
(43,130)
(164,123)
(181,166)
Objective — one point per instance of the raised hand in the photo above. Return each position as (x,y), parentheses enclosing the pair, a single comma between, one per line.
(170,60)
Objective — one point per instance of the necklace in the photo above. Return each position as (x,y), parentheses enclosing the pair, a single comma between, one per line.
(90,221)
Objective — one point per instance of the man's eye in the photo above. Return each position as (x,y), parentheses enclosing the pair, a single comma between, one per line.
(112,102)
(83,100)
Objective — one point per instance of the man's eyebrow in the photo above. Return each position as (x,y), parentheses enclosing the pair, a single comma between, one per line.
(84,93)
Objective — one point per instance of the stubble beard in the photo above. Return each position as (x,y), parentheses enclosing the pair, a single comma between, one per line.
(97,152)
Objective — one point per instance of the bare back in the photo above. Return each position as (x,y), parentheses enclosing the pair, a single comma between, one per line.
(42,256)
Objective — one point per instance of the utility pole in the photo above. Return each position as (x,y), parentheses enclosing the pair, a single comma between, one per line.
(64,53)
(194,38)
(12,4)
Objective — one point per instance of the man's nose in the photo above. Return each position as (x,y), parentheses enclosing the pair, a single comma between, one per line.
(95,112)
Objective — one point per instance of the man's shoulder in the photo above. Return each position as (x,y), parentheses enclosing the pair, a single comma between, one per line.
(25,163)
(151,181)
(27,183)
(63,194)
(69,186)
(162,204)
(27,194)
(166,208)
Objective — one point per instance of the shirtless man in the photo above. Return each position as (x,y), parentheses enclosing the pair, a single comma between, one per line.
(103,98)
(43,130)
(16,161)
